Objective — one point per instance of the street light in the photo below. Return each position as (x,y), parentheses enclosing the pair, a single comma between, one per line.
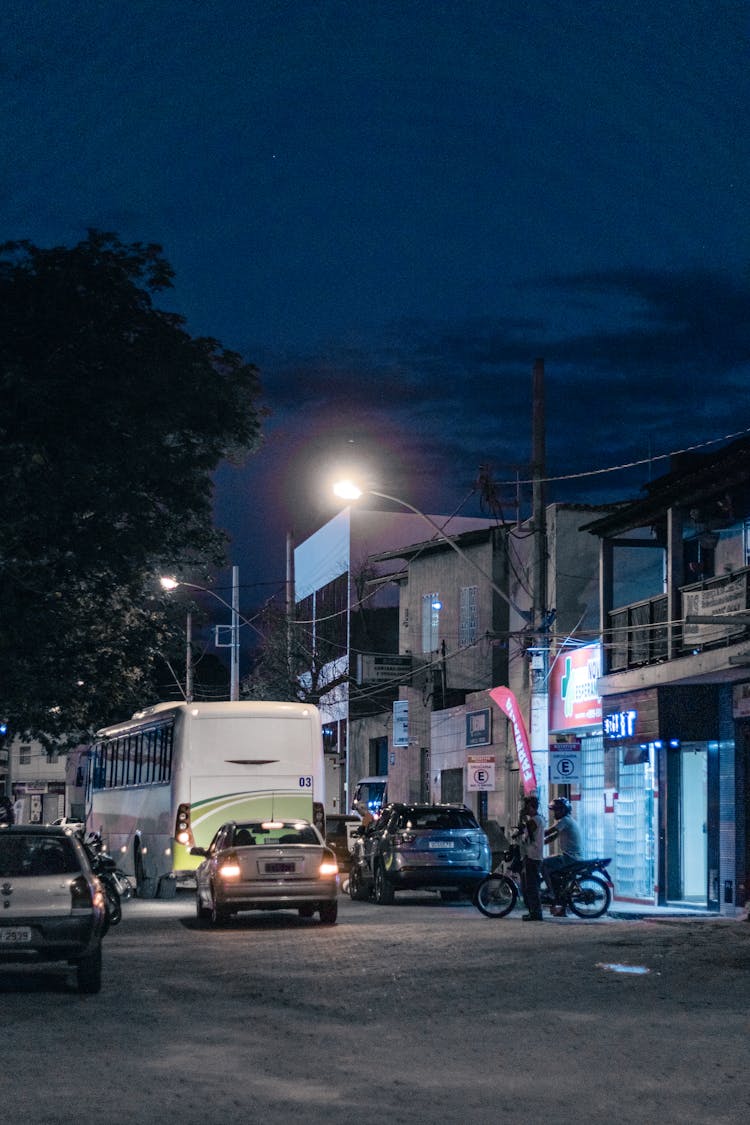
(234,679)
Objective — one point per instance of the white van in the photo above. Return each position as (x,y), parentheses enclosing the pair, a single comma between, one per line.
(370,794)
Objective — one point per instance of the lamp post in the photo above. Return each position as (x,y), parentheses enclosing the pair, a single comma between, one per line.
(234,678)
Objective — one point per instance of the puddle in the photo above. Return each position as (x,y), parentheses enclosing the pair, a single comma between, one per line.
(615,968)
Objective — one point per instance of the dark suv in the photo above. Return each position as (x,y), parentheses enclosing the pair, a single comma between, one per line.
(426,847)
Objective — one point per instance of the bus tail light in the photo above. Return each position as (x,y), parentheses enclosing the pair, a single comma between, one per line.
(183,833)
(319,818)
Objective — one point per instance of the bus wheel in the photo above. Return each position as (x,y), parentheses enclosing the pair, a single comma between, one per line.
(167,887)
(144,884)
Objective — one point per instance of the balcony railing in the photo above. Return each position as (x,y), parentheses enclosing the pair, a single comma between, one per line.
(639,634)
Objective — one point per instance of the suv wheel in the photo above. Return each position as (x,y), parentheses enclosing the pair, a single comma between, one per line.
(357,889)
(383,887)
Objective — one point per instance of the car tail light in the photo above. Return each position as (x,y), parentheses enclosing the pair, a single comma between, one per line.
(183,833)
(230,867)
(81,897)
(329,867)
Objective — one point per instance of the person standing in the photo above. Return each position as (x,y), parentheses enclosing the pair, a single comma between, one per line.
(532,851)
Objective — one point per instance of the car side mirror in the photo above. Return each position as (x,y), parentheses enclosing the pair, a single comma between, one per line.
(198,851)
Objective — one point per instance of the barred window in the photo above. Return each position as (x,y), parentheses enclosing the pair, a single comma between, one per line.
(468,620)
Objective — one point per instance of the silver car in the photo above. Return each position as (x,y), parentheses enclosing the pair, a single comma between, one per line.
(51,903)
(266,865)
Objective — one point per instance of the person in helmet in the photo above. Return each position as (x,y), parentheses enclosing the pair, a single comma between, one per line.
(570,848)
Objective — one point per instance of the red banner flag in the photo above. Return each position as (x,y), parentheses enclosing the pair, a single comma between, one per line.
(508,704)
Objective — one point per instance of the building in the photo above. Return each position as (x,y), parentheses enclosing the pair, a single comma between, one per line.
(675,684)
(345,611)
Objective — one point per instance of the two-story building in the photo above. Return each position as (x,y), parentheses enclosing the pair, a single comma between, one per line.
(675,684)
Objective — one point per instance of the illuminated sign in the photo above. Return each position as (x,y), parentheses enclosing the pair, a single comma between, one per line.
(574,700)
(620,724)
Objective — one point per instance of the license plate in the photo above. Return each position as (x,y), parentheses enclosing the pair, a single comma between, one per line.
(21,935)
(440,844)
(279,868)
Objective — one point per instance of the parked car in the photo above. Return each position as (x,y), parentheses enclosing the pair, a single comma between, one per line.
(427,847)
(52,905)
(340,829)
(266,865)
(69,822)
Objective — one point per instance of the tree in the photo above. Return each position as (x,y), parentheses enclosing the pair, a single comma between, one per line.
(288,666)
(113,419)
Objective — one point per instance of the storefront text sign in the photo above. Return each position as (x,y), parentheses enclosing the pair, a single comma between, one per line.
(573,680)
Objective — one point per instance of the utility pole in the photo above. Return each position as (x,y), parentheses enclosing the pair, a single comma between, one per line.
(539,652)
(290,606)
(234,683)
(189,659)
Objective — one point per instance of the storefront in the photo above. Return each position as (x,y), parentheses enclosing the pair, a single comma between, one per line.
(576,747)
(669,785)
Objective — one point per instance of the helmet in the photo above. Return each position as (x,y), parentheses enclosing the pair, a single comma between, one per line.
(561,806)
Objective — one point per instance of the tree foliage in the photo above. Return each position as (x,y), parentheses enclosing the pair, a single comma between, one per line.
(113,419)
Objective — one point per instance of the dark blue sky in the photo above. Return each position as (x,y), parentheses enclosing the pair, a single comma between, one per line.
(393,207)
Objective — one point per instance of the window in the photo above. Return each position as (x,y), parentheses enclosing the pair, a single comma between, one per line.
(468,622)
(24,755)
(430,621)
(378,756)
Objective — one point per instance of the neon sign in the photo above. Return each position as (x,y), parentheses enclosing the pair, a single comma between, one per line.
(620,724)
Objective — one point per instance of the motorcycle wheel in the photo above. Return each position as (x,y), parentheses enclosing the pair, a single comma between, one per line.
(588,896)
(496,896)
(114,906)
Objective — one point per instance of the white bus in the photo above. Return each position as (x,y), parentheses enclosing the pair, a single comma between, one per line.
(166,779)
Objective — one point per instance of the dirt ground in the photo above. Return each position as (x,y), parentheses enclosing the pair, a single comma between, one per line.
(416,1013)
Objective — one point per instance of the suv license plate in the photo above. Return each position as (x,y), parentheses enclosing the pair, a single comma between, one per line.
(440,845)
(21,935)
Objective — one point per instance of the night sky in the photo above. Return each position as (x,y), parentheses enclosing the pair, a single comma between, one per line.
(393,208)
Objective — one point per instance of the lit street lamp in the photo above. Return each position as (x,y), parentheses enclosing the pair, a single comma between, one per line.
(234,679)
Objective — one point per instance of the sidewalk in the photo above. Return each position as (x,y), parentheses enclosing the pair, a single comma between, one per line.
(635,910)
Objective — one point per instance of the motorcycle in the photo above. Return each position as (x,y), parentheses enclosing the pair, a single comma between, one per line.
(115,883)
(585,887)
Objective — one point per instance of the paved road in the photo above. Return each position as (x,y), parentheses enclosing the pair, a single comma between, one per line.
(416,1013)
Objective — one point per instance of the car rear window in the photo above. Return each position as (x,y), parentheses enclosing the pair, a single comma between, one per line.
(36,855)
(437,819)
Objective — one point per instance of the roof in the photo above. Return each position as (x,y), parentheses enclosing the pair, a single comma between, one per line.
(694,479)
